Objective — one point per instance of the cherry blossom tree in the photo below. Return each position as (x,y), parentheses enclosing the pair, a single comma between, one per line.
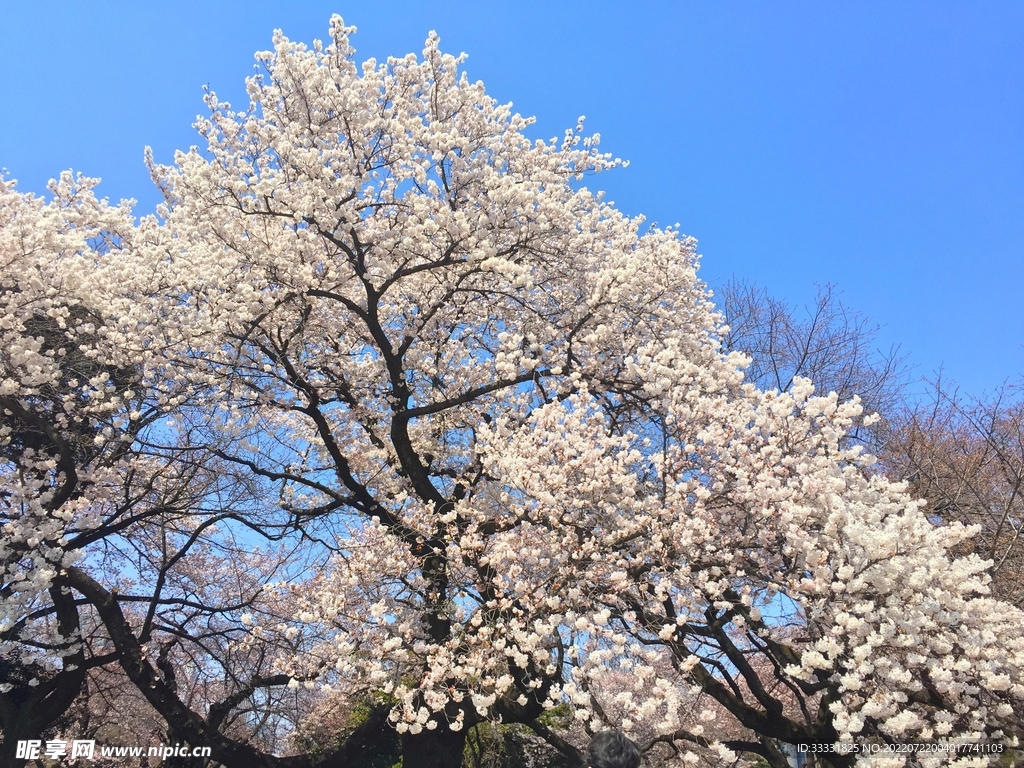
(495,421)
(509,406)
(100,484)
(62,412)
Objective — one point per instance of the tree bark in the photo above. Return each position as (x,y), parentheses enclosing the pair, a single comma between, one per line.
(440,748)
(27,711)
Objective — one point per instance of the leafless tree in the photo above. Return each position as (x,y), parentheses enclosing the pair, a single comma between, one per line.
(834,346)
(965,456)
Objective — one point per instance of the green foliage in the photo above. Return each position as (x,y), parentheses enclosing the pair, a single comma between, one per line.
(336,720)
(557,718)
(492,745)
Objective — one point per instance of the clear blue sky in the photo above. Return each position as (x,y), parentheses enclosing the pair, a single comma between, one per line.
(877,146)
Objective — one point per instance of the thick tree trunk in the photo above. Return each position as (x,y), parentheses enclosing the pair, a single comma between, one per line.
(440,748)
(27,711)
(28,717)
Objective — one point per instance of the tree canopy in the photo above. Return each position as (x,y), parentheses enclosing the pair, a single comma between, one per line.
(388,408)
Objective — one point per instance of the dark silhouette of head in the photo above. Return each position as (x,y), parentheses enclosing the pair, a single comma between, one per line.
(612,749)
